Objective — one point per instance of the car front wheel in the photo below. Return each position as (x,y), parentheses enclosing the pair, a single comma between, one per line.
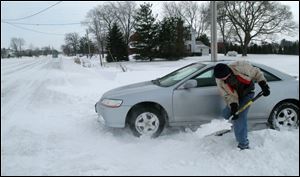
(285,116)
(146,121)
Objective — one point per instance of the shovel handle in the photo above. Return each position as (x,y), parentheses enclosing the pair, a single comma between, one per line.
(247,104)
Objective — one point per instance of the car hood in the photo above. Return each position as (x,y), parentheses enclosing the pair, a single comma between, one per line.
(131,89)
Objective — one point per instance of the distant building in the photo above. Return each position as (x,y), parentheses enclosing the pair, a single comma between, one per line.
(7,53)
(133,44)
(195,48)
(192,47)
(54,53)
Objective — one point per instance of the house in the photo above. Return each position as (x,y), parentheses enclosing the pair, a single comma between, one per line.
(195,48)
(133,44)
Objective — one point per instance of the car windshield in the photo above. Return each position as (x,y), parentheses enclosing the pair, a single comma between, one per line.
(178,75)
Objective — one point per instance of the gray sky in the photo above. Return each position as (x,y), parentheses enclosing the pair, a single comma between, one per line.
(64,12)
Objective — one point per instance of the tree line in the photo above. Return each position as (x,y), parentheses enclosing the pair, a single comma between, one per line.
(240,23)
(283,47)
(112,26)
(16,50)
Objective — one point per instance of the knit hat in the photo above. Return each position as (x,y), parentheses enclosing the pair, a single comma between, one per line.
(221,70)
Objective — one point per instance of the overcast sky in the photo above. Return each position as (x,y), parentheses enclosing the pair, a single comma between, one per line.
(64,12)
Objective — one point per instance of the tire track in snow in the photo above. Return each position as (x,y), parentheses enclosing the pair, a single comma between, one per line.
(20,86)
(17,68)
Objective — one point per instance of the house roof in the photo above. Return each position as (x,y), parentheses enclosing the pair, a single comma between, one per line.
(201,44)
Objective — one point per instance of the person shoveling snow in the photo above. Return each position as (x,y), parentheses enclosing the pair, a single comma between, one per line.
(221,126)
(236,84)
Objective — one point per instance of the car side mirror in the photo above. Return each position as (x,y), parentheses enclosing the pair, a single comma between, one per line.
(190,84)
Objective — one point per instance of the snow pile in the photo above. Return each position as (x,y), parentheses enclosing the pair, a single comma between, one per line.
(49,126)
(215,126)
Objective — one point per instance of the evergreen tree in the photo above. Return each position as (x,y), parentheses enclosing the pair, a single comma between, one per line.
(280,50)
(86,46)
(116,47)
(4,53)
(179,44)
(147,30)
(166,38)
(171,38)
(296,48)
(204,39)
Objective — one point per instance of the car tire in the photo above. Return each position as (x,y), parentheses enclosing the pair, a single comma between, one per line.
(284,116)
(146,122)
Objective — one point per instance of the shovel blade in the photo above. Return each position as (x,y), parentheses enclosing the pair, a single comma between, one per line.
(215,127)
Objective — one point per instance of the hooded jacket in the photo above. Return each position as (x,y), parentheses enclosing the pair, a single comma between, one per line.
(246,74)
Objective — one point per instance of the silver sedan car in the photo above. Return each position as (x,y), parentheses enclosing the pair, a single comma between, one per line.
(189,97)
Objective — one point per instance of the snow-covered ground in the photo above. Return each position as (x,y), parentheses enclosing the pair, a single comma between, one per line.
(49,127)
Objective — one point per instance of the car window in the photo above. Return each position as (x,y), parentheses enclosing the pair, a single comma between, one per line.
(269,77)
(206,79)
(179,74)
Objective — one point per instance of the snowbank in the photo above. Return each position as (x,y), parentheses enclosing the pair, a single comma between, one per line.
(49,127)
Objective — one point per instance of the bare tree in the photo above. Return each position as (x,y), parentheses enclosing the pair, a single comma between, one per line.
(203,20)
(190,12)
(106,13)
(16,44)
(101,18)
(125,12)
(226,29)
(72,39)
(171,9)
(194,14)
(98,27)
(254,19)
(66,49)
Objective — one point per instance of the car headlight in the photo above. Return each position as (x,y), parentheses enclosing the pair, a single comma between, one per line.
(113,103)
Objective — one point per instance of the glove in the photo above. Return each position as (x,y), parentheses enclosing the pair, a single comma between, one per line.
(234,109)
(265,88)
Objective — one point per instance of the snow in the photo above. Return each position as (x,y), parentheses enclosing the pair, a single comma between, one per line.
(49,127)
(214,127)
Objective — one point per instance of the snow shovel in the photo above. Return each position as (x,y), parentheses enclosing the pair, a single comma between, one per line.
(247,105)
(220,127)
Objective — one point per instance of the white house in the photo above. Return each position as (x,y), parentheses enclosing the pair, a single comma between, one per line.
(196,47)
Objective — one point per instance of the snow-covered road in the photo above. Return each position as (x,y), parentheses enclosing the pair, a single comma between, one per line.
(49,127)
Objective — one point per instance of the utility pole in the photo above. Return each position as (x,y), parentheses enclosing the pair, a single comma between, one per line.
(87,36)
(214,47)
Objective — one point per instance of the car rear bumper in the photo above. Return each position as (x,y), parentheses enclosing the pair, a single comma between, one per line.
(113,117)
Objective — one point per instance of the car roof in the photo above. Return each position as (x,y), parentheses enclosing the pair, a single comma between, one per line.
(208,62)
(272,70)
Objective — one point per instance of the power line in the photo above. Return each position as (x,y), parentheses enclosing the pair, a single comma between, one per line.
(16,19)
(28,29)
(42,24)
(33,30)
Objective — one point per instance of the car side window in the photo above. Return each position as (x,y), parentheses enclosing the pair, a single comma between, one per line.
(206,78)
(269,77)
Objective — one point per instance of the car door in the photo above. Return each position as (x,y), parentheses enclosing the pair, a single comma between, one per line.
(200,104)
(260,110)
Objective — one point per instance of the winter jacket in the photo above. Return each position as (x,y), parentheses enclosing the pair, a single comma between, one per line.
(246,74)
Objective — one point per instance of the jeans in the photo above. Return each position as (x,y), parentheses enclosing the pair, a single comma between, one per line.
(240,125)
